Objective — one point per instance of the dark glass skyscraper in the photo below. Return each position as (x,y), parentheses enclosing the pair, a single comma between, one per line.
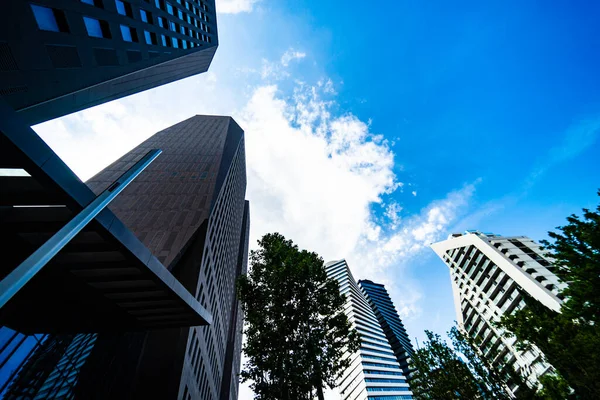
(388,318)
(62,56)
(188,209)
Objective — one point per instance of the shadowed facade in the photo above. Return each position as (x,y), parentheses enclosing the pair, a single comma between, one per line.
(189,211)
(62,56)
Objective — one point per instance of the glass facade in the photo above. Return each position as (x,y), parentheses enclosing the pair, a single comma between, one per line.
(50,369)
(374,367)
(15,350)
(390,321)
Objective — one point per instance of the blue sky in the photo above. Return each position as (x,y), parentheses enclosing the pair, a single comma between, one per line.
(372,131)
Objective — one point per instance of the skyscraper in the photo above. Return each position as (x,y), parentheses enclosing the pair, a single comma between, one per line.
(390,321)
(487,271)
(188,209)
(374,372)
(58,57)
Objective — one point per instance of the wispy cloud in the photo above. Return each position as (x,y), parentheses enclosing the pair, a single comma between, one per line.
(278,70)
(576,139)
(386,256)
(290,55)
(392,213)
(235,6)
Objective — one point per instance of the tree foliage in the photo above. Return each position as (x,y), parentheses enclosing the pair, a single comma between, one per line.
(576,250)
(443,372)
(296,330)
(570,340)
(440,374)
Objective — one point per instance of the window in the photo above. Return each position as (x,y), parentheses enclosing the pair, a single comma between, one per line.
(170,9)
(175,43)
(148,37)
(180,14)
(124,8)
(129,34)
(173,26)
(161,22)
(184,44)
(97,3)
(163,39)
(146,16)
(50,19)
(97,28)
(182,30)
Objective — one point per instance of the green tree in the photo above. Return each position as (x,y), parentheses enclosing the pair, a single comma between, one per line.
(576,251)
(570,340)
(440,373)
(460,371)
(296,330)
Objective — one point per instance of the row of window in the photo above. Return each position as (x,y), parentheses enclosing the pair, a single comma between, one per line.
(384,380)
(389,353)
(378,358)
(125,8)
(386,389)
(50,19)
(376,372)
(372,364)
(174,11)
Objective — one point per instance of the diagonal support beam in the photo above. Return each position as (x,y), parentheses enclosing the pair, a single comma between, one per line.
(19,277)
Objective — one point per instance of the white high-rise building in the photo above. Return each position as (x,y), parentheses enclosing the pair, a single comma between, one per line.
(486,272)
(374,372)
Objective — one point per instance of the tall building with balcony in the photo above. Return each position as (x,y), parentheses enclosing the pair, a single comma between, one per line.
(374,372)
(62,56)
(147,306)
(390,321)
(487,272)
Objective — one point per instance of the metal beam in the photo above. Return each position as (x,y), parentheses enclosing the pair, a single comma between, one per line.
(19,277)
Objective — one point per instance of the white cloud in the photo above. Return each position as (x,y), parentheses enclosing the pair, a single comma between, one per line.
(425,228)
(273,70)
(290,55)
(386,258)
(235,6)
(392,213)
(414,193)
(313,175)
